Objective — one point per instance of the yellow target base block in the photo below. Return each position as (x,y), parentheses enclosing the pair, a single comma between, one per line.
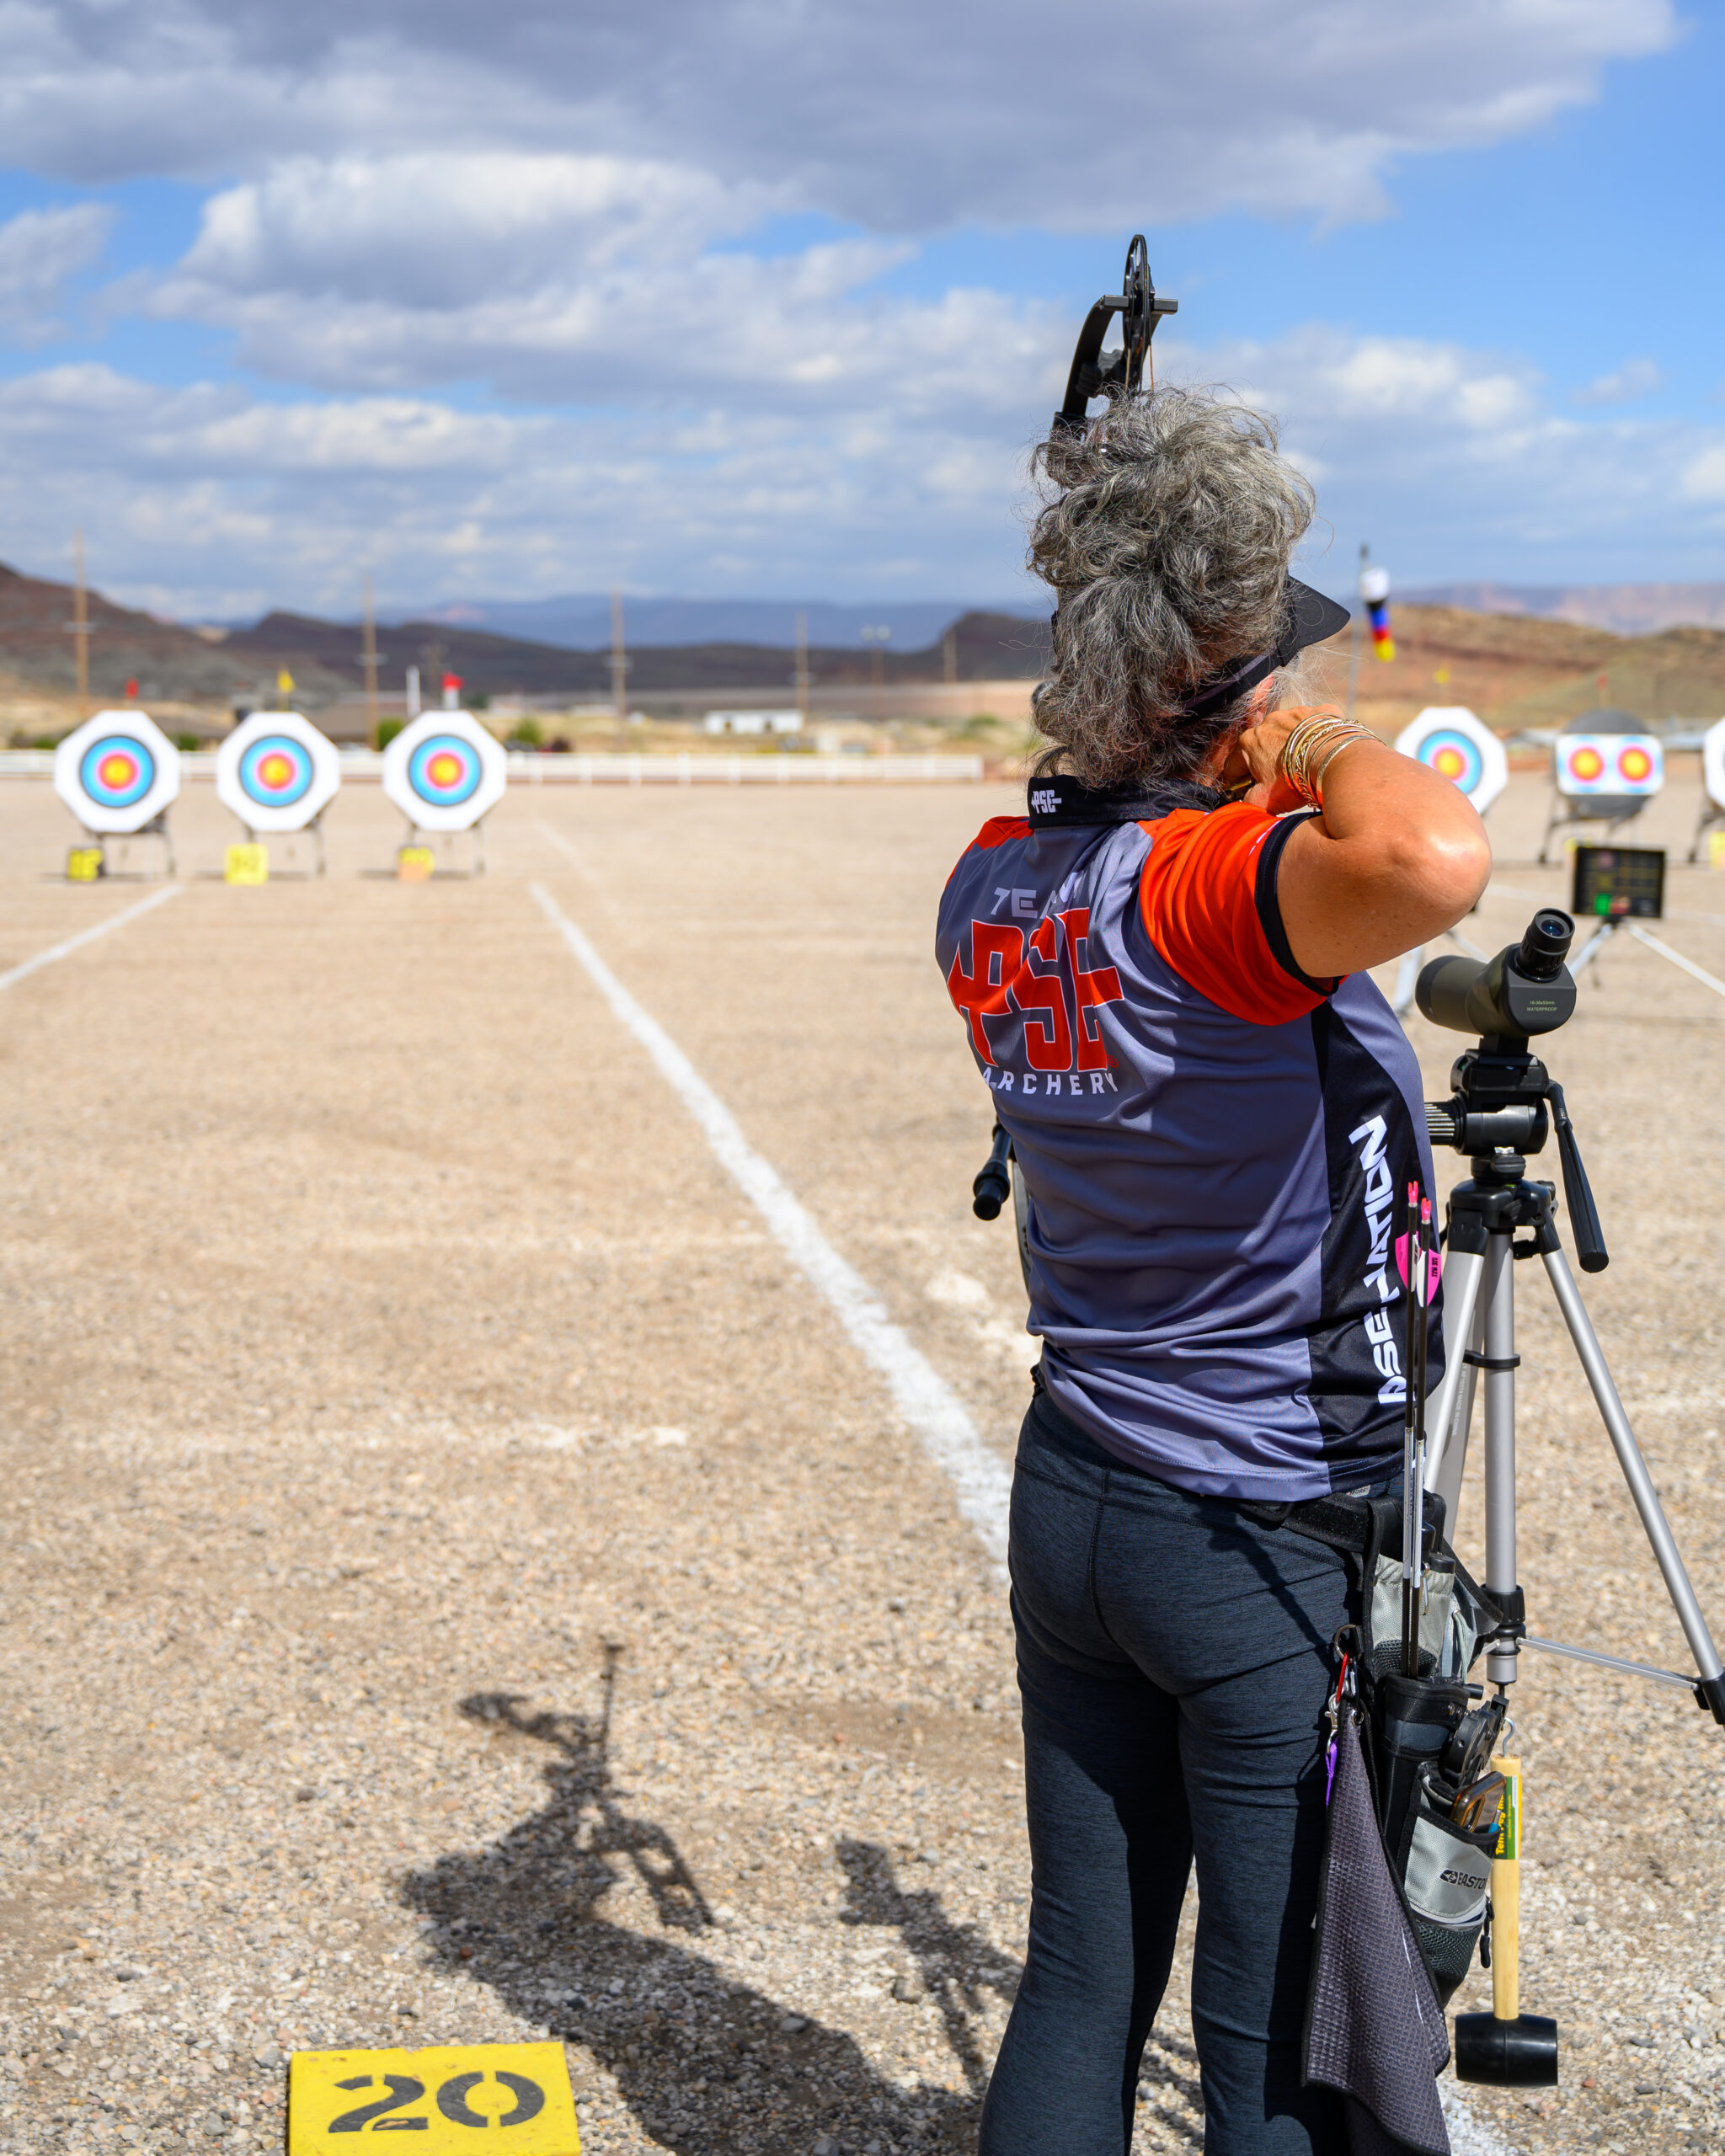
(413,864)
(512,2098)
(1716,849)
(247,864)
(84,864)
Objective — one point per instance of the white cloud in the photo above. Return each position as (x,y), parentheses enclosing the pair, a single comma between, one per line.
(581,280)
(439,229)
(1634,378)
(900,116)
(39,250)
(203,500)
(557,211)
(210,500)
(1704,476)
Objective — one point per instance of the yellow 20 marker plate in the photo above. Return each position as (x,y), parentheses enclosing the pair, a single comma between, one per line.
(513,2097)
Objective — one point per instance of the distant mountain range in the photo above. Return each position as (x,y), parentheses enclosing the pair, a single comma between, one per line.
(1628,610)
(1518,655)
(167,660)
(581,621)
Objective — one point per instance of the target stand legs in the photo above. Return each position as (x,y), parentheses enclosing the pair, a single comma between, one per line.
(416,861)
(106,843)
(288,842)
(1568,810)
(1712,816)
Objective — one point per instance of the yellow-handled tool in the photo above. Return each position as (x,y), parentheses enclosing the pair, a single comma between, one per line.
(1507,2048)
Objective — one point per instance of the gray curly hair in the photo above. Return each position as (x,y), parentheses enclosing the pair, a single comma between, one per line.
(1166,530)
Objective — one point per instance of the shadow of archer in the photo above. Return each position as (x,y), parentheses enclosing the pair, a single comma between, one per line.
(704,2062)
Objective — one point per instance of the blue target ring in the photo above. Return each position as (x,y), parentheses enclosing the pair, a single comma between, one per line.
(445,771)
(276,770)
(116,771)
(1452,756)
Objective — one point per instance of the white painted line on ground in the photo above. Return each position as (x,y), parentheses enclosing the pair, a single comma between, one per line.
(1677,959)
(88,935)
(982,1480)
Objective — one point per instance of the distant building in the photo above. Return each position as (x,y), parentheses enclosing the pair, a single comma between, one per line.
(754,722)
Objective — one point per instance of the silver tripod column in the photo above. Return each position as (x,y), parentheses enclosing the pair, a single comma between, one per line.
(1497,1301)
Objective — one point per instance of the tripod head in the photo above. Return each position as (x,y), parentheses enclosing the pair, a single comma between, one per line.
(1497,1109)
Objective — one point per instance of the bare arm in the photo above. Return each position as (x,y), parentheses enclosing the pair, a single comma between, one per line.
(1398,855)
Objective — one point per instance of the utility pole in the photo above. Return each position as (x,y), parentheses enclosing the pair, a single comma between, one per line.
(81,625)
(619,659)
(803,663)
(877,638)
(368,659)
(1354,637)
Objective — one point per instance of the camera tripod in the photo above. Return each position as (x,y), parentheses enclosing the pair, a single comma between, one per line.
(1498,1114)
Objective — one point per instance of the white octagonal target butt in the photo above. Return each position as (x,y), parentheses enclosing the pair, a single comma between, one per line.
(1450,741)
(276,771)
(443,771)
(117,772)
(1713,762)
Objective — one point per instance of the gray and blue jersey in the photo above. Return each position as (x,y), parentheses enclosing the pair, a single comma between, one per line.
(1216,1149)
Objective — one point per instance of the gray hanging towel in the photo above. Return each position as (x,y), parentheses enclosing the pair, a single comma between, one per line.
(1374,2028)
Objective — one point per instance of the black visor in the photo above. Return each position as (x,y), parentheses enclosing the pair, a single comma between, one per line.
(1309,618)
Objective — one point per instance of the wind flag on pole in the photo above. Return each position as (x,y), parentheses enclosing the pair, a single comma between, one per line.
(1375,590)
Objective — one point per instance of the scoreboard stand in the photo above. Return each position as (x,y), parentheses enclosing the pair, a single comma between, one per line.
(1620,886)
(1614,885)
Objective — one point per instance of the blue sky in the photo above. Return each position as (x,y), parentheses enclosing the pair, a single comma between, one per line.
(681,300)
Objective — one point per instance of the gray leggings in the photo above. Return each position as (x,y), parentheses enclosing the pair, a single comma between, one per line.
(1174,1659)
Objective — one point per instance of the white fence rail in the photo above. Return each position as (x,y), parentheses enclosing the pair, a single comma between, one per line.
(535,769)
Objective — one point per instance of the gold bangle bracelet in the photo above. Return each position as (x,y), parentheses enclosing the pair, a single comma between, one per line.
(1317,776)
(1307,740)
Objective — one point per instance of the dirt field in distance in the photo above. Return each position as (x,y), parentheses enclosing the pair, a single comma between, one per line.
(464,1585)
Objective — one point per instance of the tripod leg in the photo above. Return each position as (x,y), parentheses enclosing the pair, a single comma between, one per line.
(1407,978)
(1640,1483)
(1452,1406)
(1498,1296)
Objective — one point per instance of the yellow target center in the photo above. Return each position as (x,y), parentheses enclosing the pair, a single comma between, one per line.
(1448,763)
(275,771)
(1588,763)
(445,770)
(116,771)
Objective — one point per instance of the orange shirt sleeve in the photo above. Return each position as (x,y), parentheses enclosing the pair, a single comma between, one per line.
(1208,898)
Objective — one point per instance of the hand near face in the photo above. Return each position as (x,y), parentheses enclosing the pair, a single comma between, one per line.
(1257,753)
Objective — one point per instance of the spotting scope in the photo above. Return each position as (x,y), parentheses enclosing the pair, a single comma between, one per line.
(1526,989)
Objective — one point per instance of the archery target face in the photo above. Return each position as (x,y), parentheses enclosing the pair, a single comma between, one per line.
(1624,763)
(1713,762)
(117,772)
(443,771)
(276,771)
(1451,741)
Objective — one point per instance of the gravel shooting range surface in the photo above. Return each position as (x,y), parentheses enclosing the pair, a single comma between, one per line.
(464,1583)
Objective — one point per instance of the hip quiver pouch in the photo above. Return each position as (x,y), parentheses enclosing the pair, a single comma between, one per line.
(1429,1738)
